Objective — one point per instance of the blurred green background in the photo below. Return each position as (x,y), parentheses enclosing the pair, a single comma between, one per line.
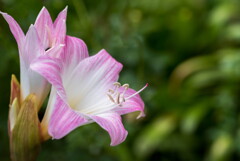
(187,50)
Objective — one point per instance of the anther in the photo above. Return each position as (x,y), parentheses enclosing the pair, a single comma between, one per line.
(111,91)
(117,84)
(126,86)
(118,97)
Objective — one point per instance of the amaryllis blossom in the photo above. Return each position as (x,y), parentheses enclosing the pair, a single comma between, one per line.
(85,90)
(42,38)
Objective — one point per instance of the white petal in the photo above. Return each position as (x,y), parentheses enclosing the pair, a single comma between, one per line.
(87,89)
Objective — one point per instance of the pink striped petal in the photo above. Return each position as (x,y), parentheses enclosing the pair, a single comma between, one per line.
(112,123)
(75,50)
(50,69)
(32,82)
(56,51)
(32,46)
(63,120)
(88,83)
(98,70)
(60,26)
(44,26)
(131,105)
(15,29)
(61,16)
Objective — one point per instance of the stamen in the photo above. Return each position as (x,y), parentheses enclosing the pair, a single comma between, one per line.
(117,84)
(115,96)
(122,98)
(118,98)
(126,86)
(111,98)
(114,103)
(111,91)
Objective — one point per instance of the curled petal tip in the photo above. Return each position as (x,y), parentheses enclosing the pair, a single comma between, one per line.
(5,15)
(103,50)
(42,12)
(66,8)
(142,114)
(115,143)
(31,26)
(44,9)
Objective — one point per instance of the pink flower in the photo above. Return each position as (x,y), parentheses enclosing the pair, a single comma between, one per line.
(85,90)
(42,38)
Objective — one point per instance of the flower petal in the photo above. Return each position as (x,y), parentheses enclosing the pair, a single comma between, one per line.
(32,46)
(13,113)
(60,26)
(44,26)
(50,69)
(48,114)
(131,105)
(15,29)
(61,16)
(112,123)
(56,51)
(32,82)
(63,120)
(90,80)
(75,50)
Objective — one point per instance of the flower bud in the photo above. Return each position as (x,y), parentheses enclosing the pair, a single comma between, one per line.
(25,135)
